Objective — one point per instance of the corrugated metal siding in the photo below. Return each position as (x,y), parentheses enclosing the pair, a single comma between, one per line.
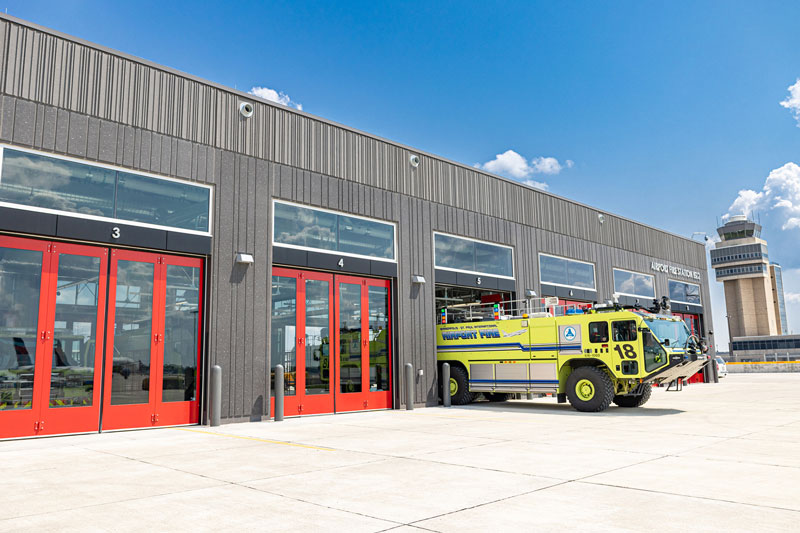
(48,69)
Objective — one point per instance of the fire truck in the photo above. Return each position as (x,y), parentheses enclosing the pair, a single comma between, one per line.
(591,356)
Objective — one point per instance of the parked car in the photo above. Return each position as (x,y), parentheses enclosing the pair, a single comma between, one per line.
(722,367)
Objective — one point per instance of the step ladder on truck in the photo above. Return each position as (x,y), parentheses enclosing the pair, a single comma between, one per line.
(591,355)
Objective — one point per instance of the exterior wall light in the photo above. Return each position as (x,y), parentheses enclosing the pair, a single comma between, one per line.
(418,279)
(530,293)
(245,259)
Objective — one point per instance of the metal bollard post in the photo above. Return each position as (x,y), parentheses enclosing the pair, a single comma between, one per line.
(216,394)
(446,384)
(278,393)
(409,387)
(529,396)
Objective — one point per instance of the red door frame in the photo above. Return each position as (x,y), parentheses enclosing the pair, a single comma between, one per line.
(335,400)
(366,399)
(75,419)
(299,403)
(26,422)
(155,412)
(186,412)
(143,414)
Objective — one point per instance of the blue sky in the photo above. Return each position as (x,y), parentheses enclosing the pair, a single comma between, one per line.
(661,112)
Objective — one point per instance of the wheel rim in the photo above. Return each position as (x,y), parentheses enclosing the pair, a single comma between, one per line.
(453,387)
(584,389)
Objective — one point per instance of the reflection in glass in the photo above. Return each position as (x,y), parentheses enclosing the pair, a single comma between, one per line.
(181,326)
(317,337)
(301,226)
(163,202)
(20,283)
(75,331)
(283,333)
(687,293)
(312,228)
(40,181)
(378,339)
(463,254)
(350,337)
(365,237)
(562,271)
(130,381)
(634,284)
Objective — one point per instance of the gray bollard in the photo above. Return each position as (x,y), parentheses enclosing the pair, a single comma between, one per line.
(409,387)
(529,396)
(278,393)
(216,394)
(446,384)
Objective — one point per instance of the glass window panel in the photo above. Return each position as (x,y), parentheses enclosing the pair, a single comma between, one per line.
(300,226)
(563,271)
(20,283)
(365,237)
(580,274)
(494,260)
(181,328)
(350,337)
(283,332)
(553,270)
(598,332)
(40,181)
(318,372)
(624,331)
(378,339)
(75,332)
(684,292)
(634,284)
(451,252)
(162,202)
(130,380)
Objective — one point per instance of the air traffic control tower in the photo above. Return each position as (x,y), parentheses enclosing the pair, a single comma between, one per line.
(753,286)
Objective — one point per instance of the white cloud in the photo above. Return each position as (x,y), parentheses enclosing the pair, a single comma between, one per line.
(514,165)
(274,96)
(509,163)
(792,102)
(546,165)
(781,192)
(536,184)
(792,297)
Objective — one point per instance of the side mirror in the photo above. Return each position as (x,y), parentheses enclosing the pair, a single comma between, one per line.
(666,342)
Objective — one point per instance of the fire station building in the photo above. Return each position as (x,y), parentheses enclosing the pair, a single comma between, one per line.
(153,224)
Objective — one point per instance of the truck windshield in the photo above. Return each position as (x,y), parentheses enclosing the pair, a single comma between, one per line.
(674,331)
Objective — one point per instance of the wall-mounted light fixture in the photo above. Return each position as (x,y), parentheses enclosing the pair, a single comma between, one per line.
(530,293)
(418,279)
(245,259)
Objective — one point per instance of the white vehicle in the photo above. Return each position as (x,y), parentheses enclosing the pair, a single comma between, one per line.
(722,367)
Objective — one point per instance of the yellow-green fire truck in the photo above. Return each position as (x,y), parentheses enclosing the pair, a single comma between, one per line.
(591,356)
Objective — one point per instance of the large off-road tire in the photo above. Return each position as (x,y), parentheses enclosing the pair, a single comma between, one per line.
(459,386)
(589,389)
(634,400)
(497,396)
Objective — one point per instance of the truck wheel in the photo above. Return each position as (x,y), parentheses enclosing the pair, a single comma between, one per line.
(497,396)
(589,389)
(459,386)
(634,400)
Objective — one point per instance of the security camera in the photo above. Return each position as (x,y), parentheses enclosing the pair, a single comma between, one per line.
(246,109)
(414,160)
